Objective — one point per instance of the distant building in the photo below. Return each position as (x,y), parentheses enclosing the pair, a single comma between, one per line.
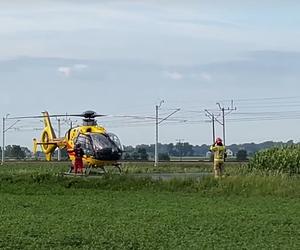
(208,154)
(229,153)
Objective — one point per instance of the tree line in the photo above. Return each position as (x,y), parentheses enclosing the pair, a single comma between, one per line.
(145,152)
(16,152)
(239,151)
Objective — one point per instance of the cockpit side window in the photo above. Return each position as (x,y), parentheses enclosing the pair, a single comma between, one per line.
(116,140)
(86,144)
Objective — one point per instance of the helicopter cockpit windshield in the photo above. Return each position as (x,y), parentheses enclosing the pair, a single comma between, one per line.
(105,147)
(101,146)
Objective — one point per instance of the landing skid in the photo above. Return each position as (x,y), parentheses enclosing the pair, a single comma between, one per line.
(89,170)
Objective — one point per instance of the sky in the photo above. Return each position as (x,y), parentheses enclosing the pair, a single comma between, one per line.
(123,57)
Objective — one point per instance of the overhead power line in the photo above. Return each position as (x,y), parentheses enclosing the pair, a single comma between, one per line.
(264,99)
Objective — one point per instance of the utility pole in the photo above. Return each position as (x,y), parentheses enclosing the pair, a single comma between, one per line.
(3,141)
(214,131)
(4,129)
(157,122)
(58,150)
(222,109)
(213,119)
(156,133)
(223,122)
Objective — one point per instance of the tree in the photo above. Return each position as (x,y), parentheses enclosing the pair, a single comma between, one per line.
(143,154)
(241,155)
(127,157)
(135,155)
(128,149)
(188,149)
(163,157)
(17,152)
(184,149)
(8,151)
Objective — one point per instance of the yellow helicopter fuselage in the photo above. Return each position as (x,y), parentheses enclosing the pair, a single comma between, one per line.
(71,138)
(99,148)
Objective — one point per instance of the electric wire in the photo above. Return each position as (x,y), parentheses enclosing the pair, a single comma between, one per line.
(249,109)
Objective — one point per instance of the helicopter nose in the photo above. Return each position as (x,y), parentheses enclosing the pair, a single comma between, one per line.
(108,154)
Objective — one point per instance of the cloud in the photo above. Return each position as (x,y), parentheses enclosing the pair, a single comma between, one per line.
(188,74)
(205,76)
(174,75)
(69,70)
(79,67)
(66,71)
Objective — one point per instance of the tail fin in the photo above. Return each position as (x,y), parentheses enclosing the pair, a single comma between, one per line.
(48,135)
(48,126)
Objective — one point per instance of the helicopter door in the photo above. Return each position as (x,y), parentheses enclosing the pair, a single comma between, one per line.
(86,144)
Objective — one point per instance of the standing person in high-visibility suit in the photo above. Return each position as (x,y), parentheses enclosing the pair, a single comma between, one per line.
(78,164)
(219,152)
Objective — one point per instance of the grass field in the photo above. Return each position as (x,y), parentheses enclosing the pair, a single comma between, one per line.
(40,209)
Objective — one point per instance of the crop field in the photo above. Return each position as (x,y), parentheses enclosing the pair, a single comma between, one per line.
(42,209)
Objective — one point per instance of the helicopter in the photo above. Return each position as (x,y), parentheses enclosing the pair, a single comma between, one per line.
(100,148)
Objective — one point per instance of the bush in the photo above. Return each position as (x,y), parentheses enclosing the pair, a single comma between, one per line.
(242,155)
(278,160)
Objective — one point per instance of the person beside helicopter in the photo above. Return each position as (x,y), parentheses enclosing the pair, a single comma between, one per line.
(219,152)
(78,163)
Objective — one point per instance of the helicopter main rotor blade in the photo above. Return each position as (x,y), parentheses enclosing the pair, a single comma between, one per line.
(32,117)
(134,116)
(42,116)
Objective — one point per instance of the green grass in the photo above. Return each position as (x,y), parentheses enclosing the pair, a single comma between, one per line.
(41,209)
(128,167)
(145,220)
(179,167)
